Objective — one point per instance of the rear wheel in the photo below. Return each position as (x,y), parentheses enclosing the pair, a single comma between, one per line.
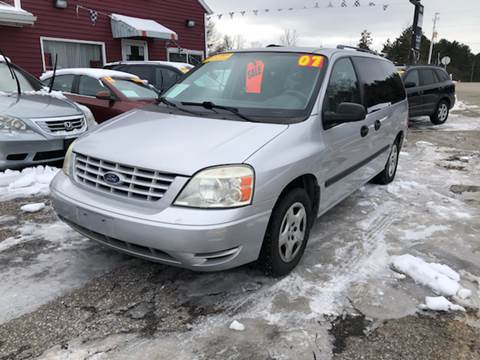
(287,233)
(441,113)
(388,173)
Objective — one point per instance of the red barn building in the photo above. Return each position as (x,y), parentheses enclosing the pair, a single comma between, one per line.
(90,33)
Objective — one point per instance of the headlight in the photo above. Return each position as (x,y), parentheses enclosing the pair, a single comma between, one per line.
(219,187)
(67,162)
(9,124)
(89,118)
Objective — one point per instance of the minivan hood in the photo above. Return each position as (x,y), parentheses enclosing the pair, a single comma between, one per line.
(29,106)
(175,143)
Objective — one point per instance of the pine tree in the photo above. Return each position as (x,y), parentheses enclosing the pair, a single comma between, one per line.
(365,40)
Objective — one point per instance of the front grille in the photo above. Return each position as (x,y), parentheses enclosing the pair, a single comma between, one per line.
(49,155)
(137,183)
(69,124)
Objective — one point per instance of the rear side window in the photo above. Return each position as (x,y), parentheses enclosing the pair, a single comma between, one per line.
(342,87)
(413,77)
(442,75)
(89,86)
(381,82)
(428,77)
(143,72)
(62,83)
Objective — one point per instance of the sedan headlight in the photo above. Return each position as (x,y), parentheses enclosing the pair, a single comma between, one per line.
(89,118)
(67,162)
(9,124)
(219,187)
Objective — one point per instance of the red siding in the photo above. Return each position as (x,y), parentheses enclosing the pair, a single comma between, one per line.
(22,45)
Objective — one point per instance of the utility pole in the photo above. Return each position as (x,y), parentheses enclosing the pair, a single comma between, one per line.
(416,41)
(434,36)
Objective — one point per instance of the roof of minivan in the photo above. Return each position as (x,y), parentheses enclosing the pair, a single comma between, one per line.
(311,50)
(96,73)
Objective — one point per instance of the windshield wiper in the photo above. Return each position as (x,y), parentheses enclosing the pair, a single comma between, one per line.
(12,73)
(211,106)
(163,100)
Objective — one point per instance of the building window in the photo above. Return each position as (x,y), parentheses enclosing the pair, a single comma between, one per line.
(134,50)
(72,53)
(193,57)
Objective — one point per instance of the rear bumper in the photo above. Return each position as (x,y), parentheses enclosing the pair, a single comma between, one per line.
(212,247)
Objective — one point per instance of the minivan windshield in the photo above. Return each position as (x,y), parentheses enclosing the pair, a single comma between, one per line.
(275,86)
(8,84)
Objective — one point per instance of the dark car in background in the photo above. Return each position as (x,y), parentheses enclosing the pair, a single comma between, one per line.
(430,92)
(107,93)
(160,74)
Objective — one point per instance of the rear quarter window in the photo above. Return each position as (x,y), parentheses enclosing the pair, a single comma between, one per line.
(380,82)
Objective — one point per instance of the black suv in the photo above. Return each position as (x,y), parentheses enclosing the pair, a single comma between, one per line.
(430,92)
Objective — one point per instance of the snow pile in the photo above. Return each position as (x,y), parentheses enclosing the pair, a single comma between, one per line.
(44,92)
(29,181)
(440,303)
(237,326)
(461,106)
(442,279)
(31,208)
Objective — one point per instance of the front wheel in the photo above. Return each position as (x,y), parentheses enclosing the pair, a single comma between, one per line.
(388,173)
(287,233)
(441,113)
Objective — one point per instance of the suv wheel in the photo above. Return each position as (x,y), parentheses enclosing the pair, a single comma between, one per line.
(441,113)
(388,173)
(287,233)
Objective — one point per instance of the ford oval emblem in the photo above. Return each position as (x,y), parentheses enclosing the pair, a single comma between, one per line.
(112,178)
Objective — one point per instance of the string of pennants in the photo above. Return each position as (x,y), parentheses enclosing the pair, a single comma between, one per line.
(331,4)
(92,13)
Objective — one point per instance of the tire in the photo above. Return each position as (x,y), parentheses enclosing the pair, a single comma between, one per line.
(274,257)
(441,113)
(390,170)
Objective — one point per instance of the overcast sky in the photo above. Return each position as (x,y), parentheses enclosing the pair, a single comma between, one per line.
(459,20)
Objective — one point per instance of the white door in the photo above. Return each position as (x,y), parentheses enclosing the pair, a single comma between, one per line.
(134,50)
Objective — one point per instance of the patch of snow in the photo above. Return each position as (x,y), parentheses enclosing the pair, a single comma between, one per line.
(29,181)
(440,303)
(423,233)
(34,207)
(464,293)
(462,106)
(237,326)
(440,278)
(44,92)
(95,73)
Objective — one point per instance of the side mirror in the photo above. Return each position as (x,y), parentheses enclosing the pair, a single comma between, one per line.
(346,112)
(104,95)
(409,85)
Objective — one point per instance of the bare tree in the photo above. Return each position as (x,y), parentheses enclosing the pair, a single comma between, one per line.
(213,37)
(289,37)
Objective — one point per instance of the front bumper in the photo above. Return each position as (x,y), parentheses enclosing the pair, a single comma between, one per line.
(23,150)
(172,235)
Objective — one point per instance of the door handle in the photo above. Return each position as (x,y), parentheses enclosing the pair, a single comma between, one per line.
(364,131)
(420,92)
(378,125)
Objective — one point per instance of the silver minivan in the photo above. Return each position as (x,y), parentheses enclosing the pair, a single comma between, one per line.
(238,159)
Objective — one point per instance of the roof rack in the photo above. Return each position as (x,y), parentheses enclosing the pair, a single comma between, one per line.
(274,45)
(341,47)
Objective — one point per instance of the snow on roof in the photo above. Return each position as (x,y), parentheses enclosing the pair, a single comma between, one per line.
(127,26)
(2,59)
(177,65)
(95,73)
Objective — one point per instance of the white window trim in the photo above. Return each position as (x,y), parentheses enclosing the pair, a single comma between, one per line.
(126,42)
(42,38)
(176,50)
